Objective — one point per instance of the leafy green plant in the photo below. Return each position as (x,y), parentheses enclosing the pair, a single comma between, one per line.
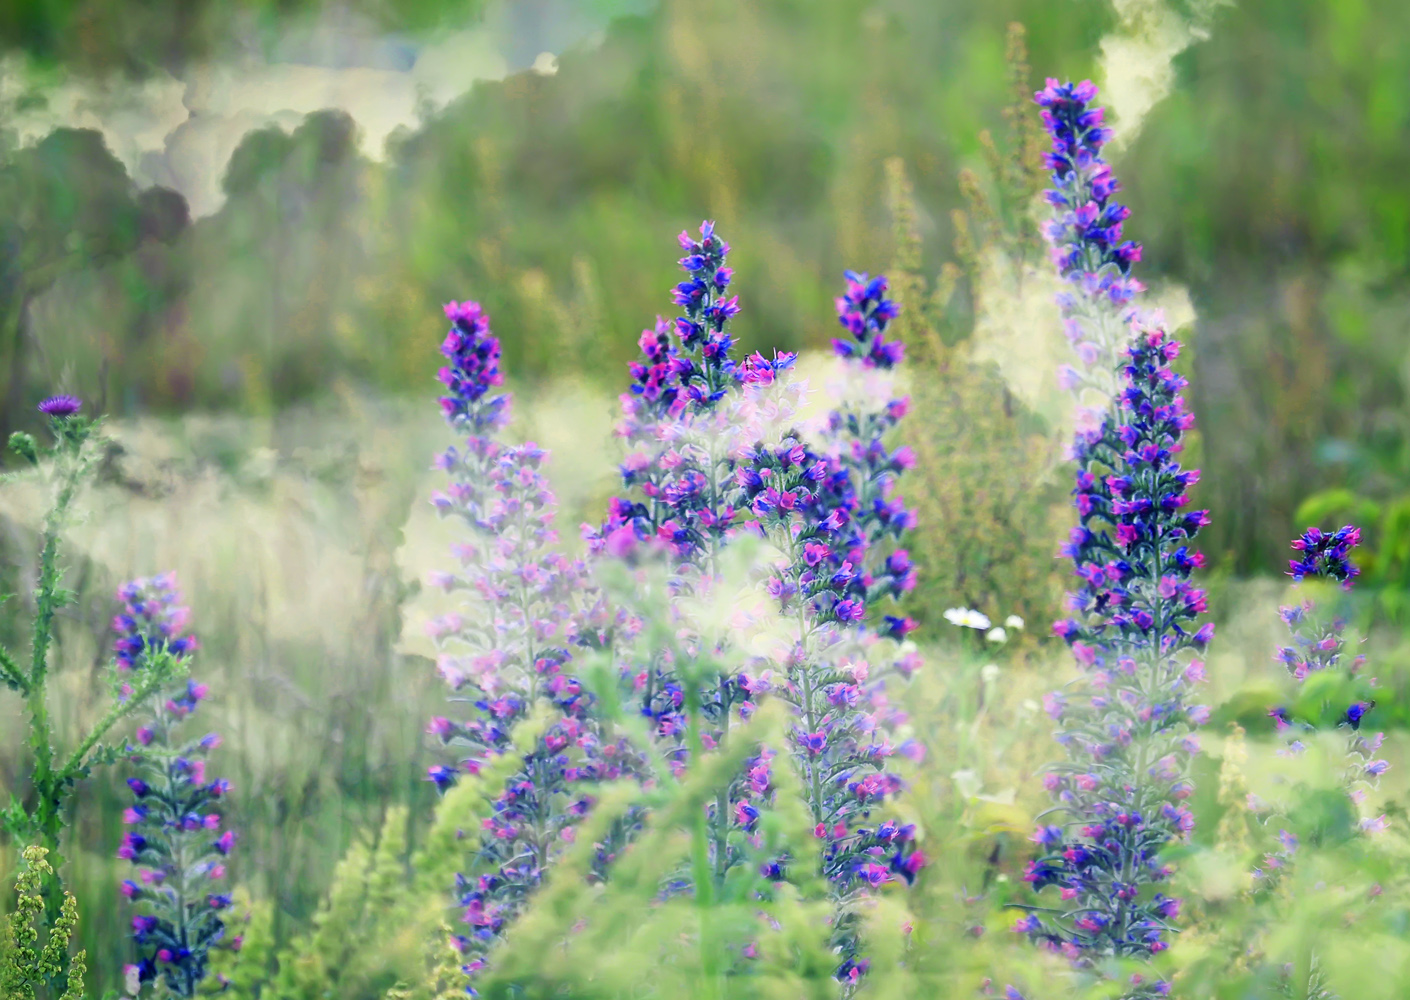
(39,817)
(384,913)
(24,971)
(987,527)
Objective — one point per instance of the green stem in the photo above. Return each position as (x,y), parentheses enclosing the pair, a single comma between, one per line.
(41,736)
(51,786)
(721,831)
(700,857)
(810,719)
(160,674)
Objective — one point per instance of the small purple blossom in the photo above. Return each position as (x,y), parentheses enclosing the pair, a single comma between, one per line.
(1326,554)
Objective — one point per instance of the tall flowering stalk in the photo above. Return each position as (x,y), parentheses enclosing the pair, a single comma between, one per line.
(863,851)
(39,819)
(809,508)
(711,448)
(855,442)
(681,424)
(677,466)
(1317,649)
(1127,723)
(1318,646)
(508,651)
(175,838)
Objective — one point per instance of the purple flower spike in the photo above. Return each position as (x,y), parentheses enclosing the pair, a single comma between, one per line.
(1319,645)
(151,619)
(865,312)
(60,406)
(175,840)
(685,373)
(473,371)
(683,480)
(1086,231)
(833,512)
(1133,619)
(538,605)
(1085,235)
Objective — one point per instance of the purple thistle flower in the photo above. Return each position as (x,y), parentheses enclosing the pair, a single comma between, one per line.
(60,407)
(178,860)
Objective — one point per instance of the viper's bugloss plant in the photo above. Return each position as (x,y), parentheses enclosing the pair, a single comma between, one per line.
(175,837)
(39,817)
(682,421)
(1318,650)
(1127,723)
(1329,696)
(677,466)
(152,620)
(712,449)
(525,605)
(23,968)
(856,440)
(824,512)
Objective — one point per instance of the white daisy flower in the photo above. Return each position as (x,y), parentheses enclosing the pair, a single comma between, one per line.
(967,618)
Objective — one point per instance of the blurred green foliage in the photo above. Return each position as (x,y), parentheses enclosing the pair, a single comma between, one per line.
(137,39)
(1268,183)
(988,479)
(552,186)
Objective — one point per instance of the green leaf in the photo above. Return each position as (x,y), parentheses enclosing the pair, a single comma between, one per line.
(1337,504)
